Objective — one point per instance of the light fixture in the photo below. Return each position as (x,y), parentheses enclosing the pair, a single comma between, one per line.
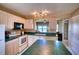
(40,13)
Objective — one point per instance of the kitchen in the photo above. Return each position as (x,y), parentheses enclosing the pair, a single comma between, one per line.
(19,34)
(37,29)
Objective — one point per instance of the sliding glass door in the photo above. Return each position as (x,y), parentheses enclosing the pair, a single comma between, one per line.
(42,27)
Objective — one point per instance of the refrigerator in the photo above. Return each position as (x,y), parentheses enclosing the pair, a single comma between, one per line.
(2,40)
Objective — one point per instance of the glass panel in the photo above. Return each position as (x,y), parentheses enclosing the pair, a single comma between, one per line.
(39,26)
(44,26)
(44,29)
(40,29)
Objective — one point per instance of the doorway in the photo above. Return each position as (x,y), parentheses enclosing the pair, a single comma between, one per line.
(66,22)
(42,27)
(65,32)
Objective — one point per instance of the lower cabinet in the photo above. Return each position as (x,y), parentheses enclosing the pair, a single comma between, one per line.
(32,39)
(12,47)
(17,45)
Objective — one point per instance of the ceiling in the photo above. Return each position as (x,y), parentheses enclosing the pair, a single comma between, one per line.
(56,9)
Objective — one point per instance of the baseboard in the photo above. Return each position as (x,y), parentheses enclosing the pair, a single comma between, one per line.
(70,50)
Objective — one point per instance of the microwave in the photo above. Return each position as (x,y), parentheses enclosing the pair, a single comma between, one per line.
(18,25)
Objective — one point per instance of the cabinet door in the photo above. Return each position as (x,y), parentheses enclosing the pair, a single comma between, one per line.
(32,39)
(12,47)
(16,46)
(35,38)
(9,48)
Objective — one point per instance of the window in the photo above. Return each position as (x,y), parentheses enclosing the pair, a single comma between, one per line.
(39,28)
(45,28)
(57,28)
(42,27)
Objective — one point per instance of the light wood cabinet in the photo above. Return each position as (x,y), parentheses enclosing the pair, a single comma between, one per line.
(12,47)
(32,39)
(8,19)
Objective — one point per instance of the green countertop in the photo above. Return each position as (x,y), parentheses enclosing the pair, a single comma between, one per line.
(29,33)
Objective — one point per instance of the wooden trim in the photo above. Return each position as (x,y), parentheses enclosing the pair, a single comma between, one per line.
(72,14)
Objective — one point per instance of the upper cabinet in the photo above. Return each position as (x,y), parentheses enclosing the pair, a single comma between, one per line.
(8,19)
(29,24)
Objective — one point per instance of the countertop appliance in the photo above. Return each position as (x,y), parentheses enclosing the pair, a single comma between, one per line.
(23,43)
(23,40)
(18,25)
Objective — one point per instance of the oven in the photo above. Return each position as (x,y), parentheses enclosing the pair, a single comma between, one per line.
(23,40)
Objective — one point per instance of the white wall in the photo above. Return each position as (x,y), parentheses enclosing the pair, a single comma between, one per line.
(52,24)
(60,26)
(74,34)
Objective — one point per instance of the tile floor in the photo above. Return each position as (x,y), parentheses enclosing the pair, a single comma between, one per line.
(47,47)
